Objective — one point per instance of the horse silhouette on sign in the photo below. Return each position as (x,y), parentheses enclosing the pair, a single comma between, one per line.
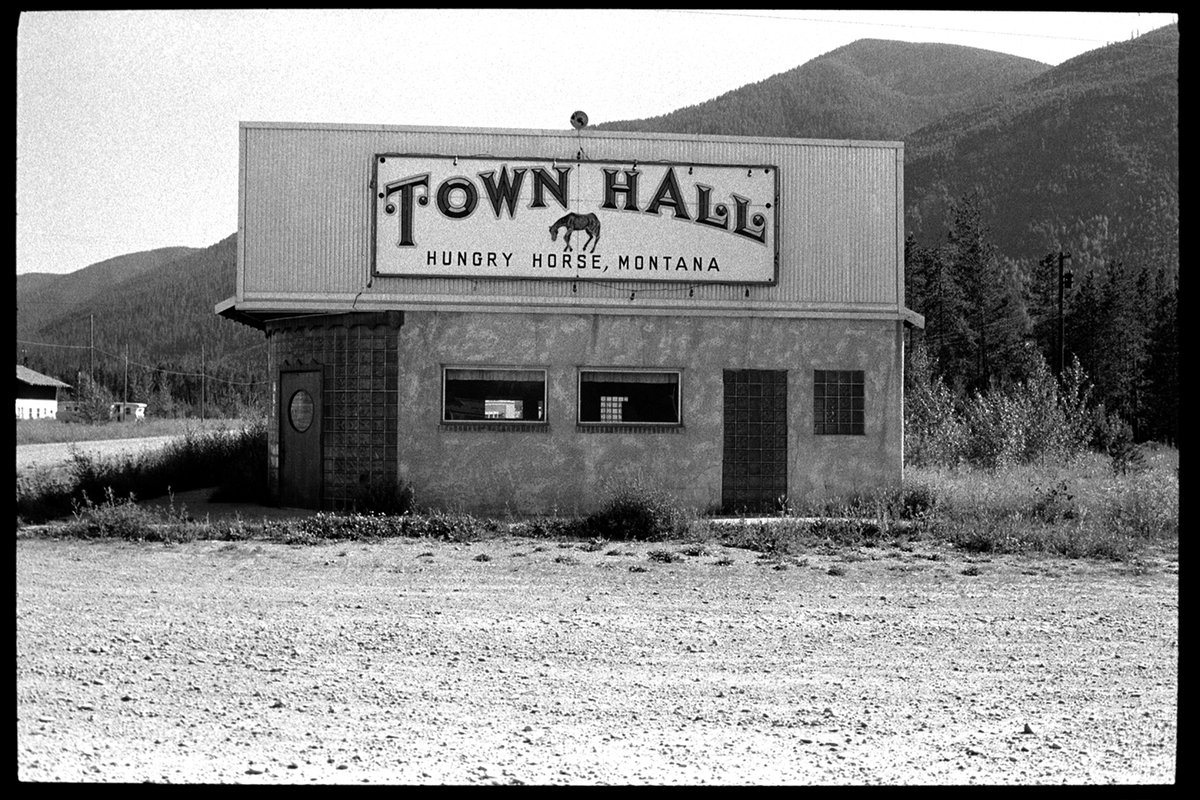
(577,222)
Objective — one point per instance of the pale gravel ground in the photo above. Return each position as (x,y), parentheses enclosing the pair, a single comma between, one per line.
(411,662)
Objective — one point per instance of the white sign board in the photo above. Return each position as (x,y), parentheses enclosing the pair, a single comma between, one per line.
(472,217)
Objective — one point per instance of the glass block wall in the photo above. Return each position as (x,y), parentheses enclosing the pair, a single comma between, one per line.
(358,358)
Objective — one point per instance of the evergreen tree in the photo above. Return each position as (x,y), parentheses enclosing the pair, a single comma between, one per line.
(94,400)
(932,290)
(1041,300)
(1122,337)
(1161,377)
(995,318)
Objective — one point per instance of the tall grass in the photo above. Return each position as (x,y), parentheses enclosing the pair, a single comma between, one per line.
(1079,510)
(233,460)
(50,431)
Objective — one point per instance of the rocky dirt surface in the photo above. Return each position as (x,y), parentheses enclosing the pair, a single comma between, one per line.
(518,661)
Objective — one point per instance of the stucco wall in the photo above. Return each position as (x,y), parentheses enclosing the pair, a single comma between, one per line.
(560,466)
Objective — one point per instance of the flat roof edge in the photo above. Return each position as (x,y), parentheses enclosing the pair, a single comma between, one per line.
(582,134)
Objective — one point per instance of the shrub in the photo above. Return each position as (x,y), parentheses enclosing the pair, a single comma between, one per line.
(1036,420)
(112,518)
(1124,454)
(42,495)
(933,431)
(916,502)
(187,462)
(1144,507)
(635,510)
(240,457)
(449,526)
(1054,504)
(1086,513)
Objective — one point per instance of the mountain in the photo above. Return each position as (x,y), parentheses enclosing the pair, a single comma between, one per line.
(1086,150)
(161,314)
(42,296)
(870,89)
(1075,156)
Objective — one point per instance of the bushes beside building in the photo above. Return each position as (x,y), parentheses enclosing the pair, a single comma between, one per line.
(1037,420)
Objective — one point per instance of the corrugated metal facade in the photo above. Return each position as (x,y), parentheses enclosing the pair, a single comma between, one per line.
(305,227)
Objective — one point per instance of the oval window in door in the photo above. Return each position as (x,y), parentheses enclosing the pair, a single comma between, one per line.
(300,411)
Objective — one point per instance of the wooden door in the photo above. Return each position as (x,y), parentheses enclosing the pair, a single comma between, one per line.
(300,439)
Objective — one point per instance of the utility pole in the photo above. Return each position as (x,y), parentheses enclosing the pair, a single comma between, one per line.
(92,347)
(201,381)
(1062,256)
(126,378)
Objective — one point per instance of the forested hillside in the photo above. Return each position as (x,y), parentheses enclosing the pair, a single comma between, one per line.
(1089,149)
(177,347)
(1082,161)
(869,89)
(42,296)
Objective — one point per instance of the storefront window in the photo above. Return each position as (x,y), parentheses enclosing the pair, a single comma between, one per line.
(494,395)
(610,396)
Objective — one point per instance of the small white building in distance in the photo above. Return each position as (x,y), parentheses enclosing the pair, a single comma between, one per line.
(127,412)
(37,394)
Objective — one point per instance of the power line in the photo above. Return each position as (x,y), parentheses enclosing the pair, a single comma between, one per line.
(150,367)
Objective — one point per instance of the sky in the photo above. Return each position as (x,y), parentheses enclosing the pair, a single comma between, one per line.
(127,121)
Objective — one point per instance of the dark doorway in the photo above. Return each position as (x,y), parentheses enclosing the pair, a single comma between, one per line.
(754,471)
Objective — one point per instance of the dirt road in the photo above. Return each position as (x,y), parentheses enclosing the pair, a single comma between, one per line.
(526,662)
(48,456)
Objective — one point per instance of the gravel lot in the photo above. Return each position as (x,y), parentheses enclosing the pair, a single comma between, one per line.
(525,662)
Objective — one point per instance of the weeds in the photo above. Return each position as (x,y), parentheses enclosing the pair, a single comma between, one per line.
(636,510)
(1089,509)
(188,462)
(1085,513)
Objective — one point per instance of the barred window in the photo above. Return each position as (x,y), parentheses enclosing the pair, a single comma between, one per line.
(477,394)
(838,402)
